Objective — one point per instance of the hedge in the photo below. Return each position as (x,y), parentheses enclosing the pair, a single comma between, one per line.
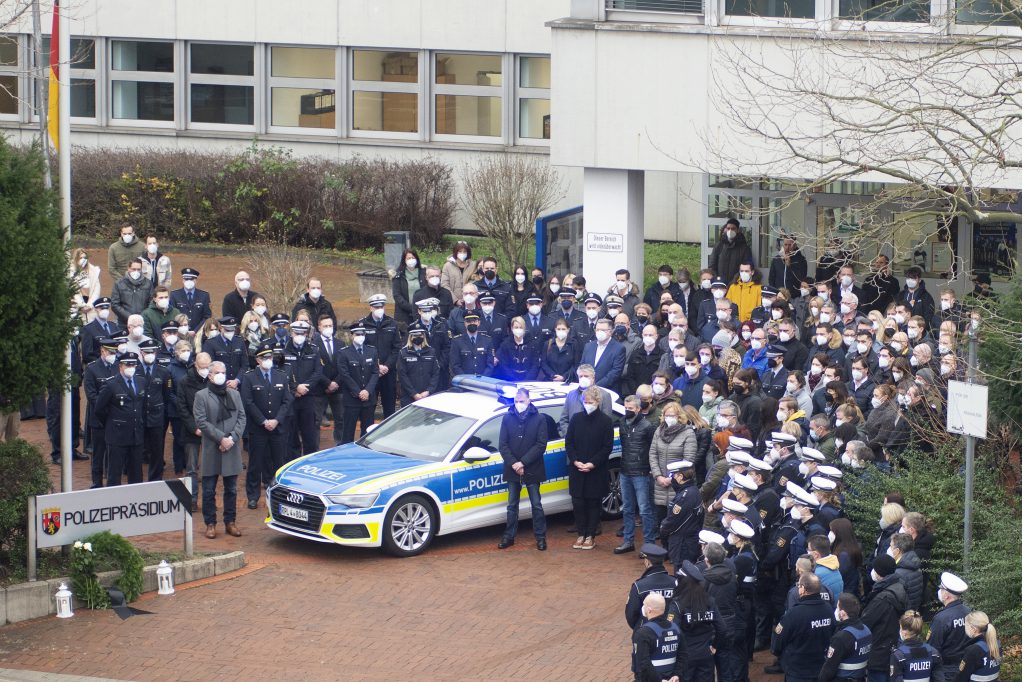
(23,474)
(260,195)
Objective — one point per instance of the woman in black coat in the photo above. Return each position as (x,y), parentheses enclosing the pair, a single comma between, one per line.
(410,277)
(587,443)
(560,355)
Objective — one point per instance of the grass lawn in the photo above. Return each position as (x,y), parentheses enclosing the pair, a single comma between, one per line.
(677,254)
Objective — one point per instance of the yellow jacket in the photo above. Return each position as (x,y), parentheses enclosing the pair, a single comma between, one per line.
(747,296)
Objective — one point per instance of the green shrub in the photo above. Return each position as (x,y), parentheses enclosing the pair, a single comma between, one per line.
(23,474)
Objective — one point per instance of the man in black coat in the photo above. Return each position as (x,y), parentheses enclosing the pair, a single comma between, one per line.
(314,302)
(358,372)
(881,609)
(523,440)
(802,637)
(230,349)
(492,284)
(731,250)
(665,282)
(191,300)
(267,399)
(879,288)
(97,373)
(238,301)
(161,392)
(121,408)
(383,334)
(471,352)
(655,579)
(636,432)
(304,367)
(194,381)
(789,267)
(105,324)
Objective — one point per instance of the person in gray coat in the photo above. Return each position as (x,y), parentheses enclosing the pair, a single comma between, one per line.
(132,293)
(220,416)
(909,567)
(673,440)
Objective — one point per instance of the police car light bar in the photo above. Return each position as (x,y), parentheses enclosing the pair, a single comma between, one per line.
(504,391)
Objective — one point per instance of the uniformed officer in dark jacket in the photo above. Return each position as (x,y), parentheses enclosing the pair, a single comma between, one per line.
(266,395)
(981,660)
(97,373)
(696,613)
(947,631)
(305,376)
(680,529)
(383,334)
(492,285)
(492,320)
(439,335)
(785,462)
(564,309)
(105,325)
(536,328)
(774,381)
(654,580)
(471,352)
(279,334)
(803,636)
(161,395)
(190,300)
(849,648)
(359,372)
(523,441)
(913,660)
(774,577)
(658,646)
(721,583)
(228,348)
(417,368)
(121,408)
(330,391)
(740,537)
(517,359)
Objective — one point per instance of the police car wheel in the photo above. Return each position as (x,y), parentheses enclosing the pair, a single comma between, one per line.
(409,526)
(611,505)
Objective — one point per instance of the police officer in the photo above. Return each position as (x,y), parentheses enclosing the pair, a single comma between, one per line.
(492,321)
(121,409)
(536,329)
(654,580)
(471,352)
(161,396)
(947,631)
(383,335)
(190,300)
(564,309)
(696,613)
(741,537)
(848,653)
(302,364)
(773,578)
(981,661)
(279,334)
(105,325)
(97,373)
(358,371)
(438,334)
(680,529)
(228,348)
(913,660)
(168,342)
(803,636)
(782,458)
(775,378)
(658,647)
(584,328)
(825,490)
(766,499)
(266,395)
(417,368)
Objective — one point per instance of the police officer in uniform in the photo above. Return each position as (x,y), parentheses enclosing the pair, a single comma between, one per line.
(536,329)
(266,395)
(658,647)
(803,636)
(785,462)
(564,309)
(773,579)
(190,300)
(121,409)
(492,321)
(105,325)
(913,660)
(168,340)
(981,661)
(230,349)
(471,352)
(947,631)
(279,335)
(654,580)
(439,336)
(680,529)
(741,536)
(161,396)
(97,373)
(775,378)
(383,335)
(306,378)
(848,653)
(417,368)
(358,371)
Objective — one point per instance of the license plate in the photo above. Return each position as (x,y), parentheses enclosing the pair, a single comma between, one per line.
(292,513)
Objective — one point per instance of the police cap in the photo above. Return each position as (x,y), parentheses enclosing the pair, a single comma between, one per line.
(593,298)
(534,298)
(265,348)
(301,326)
(804,498)
(745,483)
(471,317)
(783,439)
(775,351)
(740,443)
(708,536)
(425,304)
(108,342)
(189,273)
(487,298)
(737,457)
(741,529)
(377,300)
(566,293)
(227,322)
(169,326)
(950,582)
(102,302)
(614,300)
(691,570)
(148,344)
(718,283)
(830,472)
(655,553)
(356,328)
(769,291)
(812,454)
(822,483)
(129,359)
(760,465)
(733,506)
(680,465)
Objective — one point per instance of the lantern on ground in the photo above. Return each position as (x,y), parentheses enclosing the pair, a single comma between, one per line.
(165,578)
(63,597)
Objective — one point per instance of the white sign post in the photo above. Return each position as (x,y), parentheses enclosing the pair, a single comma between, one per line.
(136,509)
(967,409)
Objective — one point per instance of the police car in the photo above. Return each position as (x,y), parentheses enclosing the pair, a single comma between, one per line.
(430,469)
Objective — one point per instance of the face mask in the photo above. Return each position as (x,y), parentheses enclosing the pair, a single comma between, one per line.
(219,379)
(149,358)
(672,344)
(839,422)
(434,282)
(911,282)
(883,362)
(670,421)
(792,388)
(203,372)
(152,249)
(896,345)
(567,305)
(730,234)
(561,334)
(127,238)
(671,318)
(815,370)
(189,284)
(825,294)
(746,334)
(591,313)
(664,280)
(718,294)
(534,309)
(171,340)
(704,358)
(899,318)
(785,337)
(679,361)
(745,276)
(521,407)
(244,285)
(846,281)
(795,514)
(589,408)
(327,332)
(705,283)
(184,356)
(803,469)
(377,314)
(776,314)
(103,313)
(136,332)
(314,294)
(135,275)
(837,612)
(411,263)
(805,293)
(298,340)
(266,364)
(110,359)
(648,341)
(519,333)
(417,340)
(520,279)
(913,361)
(857,374)
(765,302)
(845,308)
(472,328)
(122,348)
(585,382)
(487,309)
(781,415)
(554,288)
(813,435)
(945,370)
(825,317)
(913,333)
(82,262)
(732,539)
(944,305)
(658,389)
(849,341)
(163,303)
(228,335)
(974,324)
(129,372)
(723,315)
(691,371)
(943,349)
(722,422)
(846,459)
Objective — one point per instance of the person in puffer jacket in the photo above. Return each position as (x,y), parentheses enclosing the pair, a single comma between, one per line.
(910,567)
(722,585)
(828,568)
(881,609)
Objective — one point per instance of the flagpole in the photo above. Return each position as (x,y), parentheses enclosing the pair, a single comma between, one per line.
(38,85)
(64,167)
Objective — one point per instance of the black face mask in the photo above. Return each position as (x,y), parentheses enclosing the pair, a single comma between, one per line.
(644,404)
(629,414)
(740,390)
(418,341)
(642,318)
(538,280)
(620,330)
(472,328)
(489,274)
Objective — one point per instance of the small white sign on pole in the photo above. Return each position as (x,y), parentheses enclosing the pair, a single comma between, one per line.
(605,241)
(967,409)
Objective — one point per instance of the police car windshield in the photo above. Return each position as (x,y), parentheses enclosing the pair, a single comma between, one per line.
(418,433)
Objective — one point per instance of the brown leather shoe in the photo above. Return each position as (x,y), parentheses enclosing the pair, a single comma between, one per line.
(210,531)
(232,529)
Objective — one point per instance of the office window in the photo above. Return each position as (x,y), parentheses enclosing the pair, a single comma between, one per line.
(989,12)
(469,89)
(787,9)
(302,82)
(83,75)
(9,83)
(886,10)
(222,84)
(142,80)
(534,98)
(385,91)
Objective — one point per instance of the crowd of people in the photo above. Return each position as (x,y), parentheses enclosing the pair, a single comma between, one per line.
(748,407)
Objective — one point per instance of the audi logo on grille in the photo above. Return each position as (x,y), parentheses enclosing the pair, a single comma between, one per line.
(295,498)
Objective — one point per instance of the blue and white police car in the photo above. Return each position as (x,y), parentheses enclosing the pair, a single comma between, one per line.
(431,469)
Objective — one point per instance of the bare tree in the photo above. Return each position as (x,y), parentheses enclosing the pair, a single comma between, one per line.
(282,272)
(504,194)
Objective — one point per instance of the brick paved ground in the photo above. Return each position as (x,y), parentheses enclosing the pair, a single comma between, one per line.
(302,610)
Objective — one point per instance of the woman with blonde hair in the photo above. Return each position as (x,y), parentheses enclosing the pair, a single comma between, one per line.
(210,329)
(459,270)
(588,444)
(252,328)
(673,440)
(981,661)
(914,658)
(85,275)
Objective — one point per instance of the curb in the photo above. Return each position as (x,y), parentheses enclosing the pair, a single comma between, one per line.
(35,599)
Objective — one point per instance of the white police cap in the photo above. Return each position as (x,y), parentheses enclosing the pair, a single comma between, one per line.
(741,529)
(378,299)
(782,438)
(952,583)
(708,536)
(830,472)
(759,465)
(739,443)
(737,457)
(813,454)
(681,464)
(822,483)
(733,506)
(744,482)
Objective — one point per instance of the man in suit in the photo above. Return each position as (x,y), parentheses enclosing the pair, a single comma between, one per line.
(161,395)
(105,324)
(329,392)
(267,399)
(383,335)
(191,300)
(121,409)
(606,355)
(358,371)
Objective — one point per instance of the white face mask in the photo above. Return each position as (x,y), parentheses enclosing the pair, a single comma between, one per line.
(944,305)
(589,408)
(260,310)
(718,294)
(911,282)
(732,539)
(562,334)
(745,276)
(664,280)
(358,339)
(862,348)
(163,303)
(103,313)
(943,349)
(521,407)
(228,335)
(825,317)
(846,459)
(679,361)
(785,337)
(434,282)
(554,288)
(127,238)
(803,469)
(670,421)
(848,341)
(591,313)
(757,344)
(202,372)
(896,345)
(149,358)
(411,263)
(691,371)
(837,612)
(704,358)
(519,332)
(189,284)
(487,310)
(723,314)
(266,364)
(839,422)
(876,402)
(765,302)
(857,374)
(585,382)
(806,293)
(746,334)
(244,285)
(945,370)
(831,537)
(913,332)
(792,388)
(821,340)
(876,576)
(378,313)
(520,279)
(722,422)
(184,356)
(658,389)
(122,348)
(152,249)
(899,318)
(327,332)
(883,362)
(299,340)
(795,514)
(171,340)
(462,256)
(825,295)
(82,262)
(535,309)
(815,370)
(776,314)
(648,341)
(470,298)
(129,372)
(219,379)
(913,361)
(136,332)
(182,330)
(135,275)
(781,415)
(846,281)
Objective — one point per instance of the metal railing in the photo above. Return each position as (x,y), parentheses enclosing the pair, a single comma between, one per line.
(674,6)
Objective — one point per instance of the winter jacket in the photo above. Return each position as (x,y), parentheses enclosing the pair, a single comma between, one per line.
(788,275)
(828,570)
(523,438)
(747,295)
(155,319)
(636,440)
(910,572)
(216,423)
(918,302)
(440,294)
(708,411)
(316,308)
(881,609)
(186,391)
(723,587)
(164,273)
(639,368)
(661,453)
(404,309)
(727,256)
(130,297)
(120,255)
(751,405)
(589,440)
(454,278)
(880,422)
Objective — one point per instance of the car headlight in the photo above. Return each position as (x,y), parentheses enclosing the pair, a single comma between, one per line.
(358,501)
